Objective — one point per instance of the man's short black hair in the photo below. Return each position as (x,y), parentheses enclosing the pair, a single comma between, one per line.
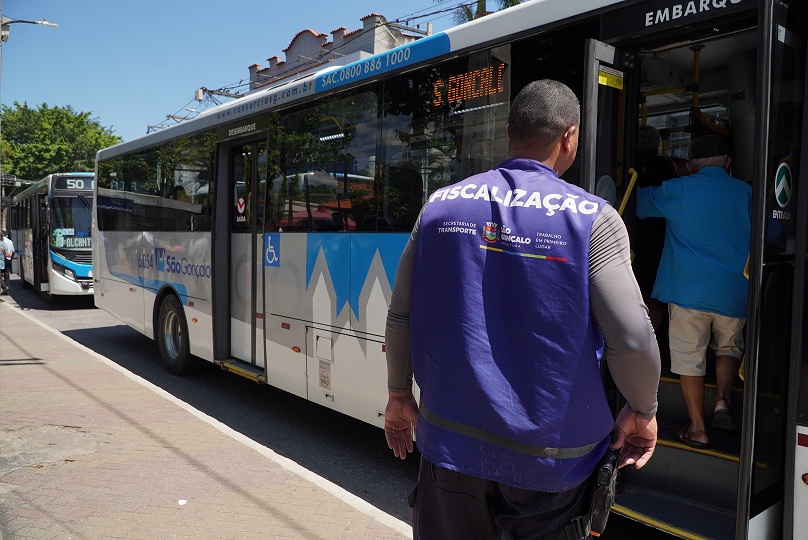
(542,111)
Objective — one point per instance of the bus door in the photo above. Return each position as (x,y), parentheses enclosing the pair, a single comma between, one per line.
(609,72)
(40,212)
(619,93)
(247,163)
(744,79)
(769,483)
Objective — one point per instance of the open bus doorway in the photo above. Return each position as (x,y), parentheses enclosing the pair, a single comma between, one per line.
(688,90)
(686,83)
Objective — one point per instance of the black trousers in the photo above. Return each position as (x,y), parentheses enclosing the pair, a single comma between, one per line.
(450,505)
(5,276)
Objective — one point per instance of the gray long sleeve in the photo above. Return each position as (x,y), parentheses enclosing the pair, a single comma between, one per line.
(631,350)
(397,329)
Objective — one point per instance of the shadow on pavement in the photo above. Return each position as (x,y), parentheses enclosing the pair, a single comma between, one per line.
(347,452)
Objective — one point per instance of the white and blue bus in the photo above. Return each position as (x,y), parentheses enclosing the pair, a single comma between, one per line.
(264,234)
(50,224)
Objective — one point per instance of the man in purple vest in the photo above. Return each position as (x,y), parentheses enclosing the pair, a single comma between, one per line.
(506,291)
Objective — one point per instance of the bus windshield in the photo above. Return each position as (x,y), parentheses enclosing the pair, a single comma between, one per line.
(70,222)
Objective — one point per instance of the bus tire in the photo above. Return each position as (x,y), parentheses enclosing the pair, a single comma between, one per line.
(47,297)
(172,336)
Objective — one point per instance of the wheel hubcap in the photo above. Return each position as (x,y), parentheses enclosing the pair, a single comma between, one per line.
(173,335)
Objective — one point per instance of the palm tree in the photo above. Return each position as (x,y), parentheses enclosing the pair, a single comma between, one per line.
(466,13)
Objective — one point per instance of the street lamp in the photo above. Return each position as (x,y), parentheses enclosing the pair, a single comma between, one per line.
(5,27)
(5,23)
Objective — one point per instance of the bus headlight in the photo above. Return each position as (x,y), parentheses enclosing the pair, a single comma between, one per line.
(66,272)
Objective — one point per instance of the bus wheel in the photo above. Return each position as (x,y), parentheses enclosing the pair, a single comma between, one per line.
(47,297)
(172,336)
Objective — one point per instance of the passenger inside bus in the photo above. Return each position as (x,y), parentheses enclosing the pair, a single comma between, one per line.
(652,169)
(688,89)
(707,215)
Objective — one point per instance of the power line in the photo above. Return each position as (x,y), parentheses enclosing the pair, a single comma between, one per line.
(227,90)
(406,18)
(315,62)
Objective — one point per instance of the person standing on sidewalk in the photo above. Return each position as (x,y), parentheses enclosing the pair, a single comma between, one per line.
(6,252)
(701,277)
(510,283)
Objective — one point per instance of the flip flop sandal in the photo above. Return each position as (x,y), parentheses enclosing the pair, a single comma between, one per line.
(722,419)
(686,437)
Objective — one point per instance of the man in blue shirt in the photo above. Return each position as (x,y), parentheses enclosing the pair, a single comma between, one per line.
(701,276)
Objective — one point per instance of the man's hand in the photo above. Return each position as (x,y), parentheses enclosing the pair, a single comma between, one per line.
(635,436)
(400,418)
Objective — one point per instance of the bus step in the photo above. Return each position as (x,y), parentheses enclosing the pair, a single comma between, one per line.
(674,410)
(694,520)
(243,369)
(706,476)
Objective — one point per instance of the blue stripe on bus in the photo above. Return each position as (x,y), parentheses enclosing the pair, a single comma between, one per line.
(348,258)
(153,284)
(417,51)
(336,249)
(364,248)
(80,269)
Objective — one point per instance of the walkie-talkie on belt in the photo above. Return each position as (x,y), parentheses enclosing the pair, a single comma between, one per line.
(603,497)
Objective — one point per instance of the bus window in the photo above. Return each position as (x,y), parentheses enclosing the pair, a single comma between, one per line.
(442,124)
(328,158)
(70,222)
(166,189)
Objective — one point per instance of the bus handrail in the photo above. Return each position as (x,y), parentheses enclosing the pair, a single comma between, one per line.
(627,194)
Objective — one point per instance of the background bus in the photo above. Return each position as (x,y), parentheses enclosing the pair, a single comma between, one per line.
(51,230)
(280,266)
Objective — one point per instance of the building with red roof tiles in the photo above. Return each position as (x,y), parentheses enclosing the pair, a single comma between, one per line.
(310,50)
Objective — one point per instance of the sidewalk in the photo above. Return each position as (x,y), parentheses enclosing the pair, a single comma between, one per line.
(89,450)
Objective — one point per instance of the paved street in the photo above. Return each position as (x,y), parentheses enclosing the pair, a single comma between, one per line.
(89,450)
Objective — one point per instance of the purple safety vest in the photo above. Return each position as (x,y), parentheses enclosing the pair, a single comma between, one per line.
(504,347)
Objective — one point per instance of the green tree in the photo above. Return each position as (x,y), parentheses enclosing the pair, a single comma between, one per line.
(470,11)
(45,140)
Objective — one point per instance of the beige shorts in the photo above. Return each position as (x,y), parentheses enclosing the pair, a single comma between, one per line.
(690,332)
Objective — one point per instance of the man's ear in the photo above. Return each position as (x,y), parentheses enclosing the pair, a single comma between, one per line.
(566,139)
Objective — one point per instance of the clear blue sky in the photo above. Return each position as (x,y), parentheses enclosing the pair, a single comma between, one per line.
(131,62)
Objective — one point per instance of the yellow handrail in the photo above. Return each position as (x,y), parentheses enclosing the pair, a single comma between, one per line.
(627,194)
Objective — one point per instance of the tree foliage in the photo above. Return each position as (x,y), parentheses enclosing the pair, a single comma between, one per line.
(476,9)
(38,142)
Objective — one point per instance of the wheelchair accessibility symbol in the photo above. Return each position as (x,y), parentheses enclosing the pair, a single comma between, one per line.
(272,249)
